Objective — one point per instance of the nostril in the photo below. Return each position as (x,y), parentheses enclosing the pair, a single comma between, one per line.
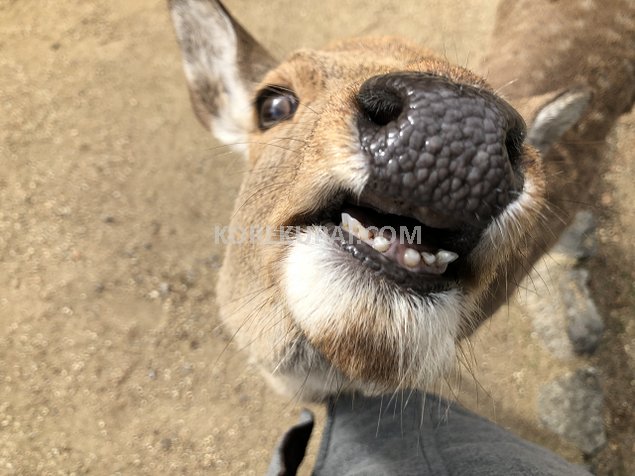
(381,106)
(514,143)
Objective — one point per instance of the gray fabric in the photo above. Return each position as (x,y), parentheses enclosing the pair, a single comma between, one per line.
(424,435)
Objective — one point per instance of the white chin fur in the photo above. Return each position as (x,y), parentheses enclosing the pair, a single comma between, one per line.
(327,289)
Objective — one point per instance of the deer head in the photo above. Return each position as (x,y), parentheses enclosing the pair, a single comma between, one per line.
(405,187)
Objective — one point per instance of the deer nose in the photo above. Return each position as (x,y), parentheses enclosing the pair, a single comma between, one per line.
(431,142)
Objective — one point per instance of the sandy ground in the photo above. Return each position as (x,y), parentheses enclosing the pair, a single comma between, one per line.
(111,358)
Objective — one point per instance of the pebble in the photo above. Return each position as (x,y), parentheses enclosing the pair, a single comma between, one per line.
(579,240)
(571,406)
(164,288)
(584,323)
(563,313)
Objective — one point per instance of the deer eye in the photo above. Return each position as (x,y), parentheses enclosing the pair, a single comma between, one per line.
(275,104)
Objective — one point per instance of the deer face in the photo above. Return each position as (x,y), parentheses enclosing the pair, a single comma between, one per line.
(386,194)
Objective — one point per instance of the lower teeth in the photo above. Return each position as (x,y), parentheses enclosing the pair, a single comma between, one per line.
(428,258)
(417,261)
(411,257)
(381,244)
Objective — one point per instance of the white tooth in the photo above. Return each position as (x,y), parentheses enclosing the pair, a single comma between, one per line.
(381,244)
(411,257)
(346,220)
(354,226)
(363,233)
(428,258)
(446,257)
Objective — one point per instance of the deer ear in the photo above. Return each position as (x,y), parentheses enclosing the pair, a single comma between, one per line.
(222,65)
(554,114)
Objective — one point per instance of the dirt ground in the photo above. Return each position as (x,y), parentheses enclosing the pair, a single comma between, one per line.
(111,357)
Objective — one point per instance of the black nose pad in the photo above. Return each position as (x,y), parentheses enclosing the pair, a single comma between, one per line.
(445,146)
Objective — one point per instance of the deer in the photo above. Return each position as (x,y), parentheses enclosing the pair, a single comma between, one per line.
(414,194)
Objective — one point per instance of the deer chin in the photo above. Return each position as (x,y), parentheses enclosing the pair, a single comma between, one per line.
(370,328)
(380,295)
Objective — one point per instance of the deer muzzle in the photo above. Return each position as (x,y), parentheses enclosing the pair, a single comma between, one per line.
(430,142)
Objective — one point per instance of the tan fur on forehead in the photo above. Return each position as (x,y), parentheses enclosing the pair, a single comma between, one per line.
(407,55)
(360,58)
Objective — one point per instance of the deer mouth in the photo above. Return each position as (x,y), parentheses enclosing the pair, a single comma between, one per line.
(411,248)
